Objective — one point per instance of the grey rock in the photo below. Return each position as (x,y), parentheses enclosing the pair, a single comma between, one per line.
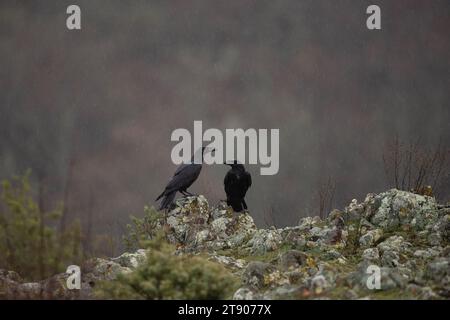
(245,294)
(390,258)
(131,260)
(255,274)
(390,278)
(393,208)
(370,238)
(232,263)
(108,270)
(427,253)
(283,292)
(319,284)
(395,243)
(292,259)
(323,255)
(333,254)
(265,240)
(371,255)
(438,269)
(353,211)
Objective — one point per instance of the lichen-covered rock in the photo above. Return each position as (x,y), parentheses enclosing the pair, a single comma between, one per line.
(55,287)
(395,243)
(392,249)
(107,269)
(353,211)
(319,283)
(256,273)
(390,278)
(294,236)
(427,253)
(370,238)
(245,294)
(308,223)
(230,262)
(292,259)
(196,226)
(333,254)
(190,216)
(131,260)
(439,270)
(326,235)
(7,275)
(283,291)
(394,208)
(390,258)
(265,240)
(403,235)
(371,255)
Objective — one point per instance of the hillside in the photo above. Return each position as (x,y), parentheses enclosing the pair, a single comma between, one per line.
(404,234)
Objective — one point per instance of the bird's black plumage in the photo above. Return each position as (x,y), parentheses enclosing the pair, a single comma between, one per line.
(183,178)
(236,182)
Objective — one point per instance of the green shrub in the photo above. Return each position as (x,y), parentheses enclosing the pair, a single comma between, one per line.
(168,276)
(27,244)
(142,230)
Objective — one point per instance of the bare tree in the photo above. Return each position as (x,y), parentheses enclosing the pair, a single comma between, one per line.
(325,196)
(87,239)
(65,210)
(269,217)
(41,206)
(415,167)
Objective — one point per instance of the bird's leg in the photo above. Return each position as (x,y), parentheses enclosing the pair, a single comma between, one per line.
(244,204)
(190,194)
(186,193)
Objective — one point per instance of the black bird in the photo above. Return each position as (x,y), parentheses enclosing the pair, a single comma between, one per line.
(184,177)
(237,181)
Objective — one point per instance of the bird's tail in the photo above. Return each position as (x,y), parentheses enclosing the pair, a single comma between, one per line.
(159,197)
(236,204)
(167,200)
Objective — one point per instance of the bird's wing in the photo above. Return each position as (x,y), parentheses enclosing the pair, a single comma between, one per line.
(180,168)
(184,176)
(229,181)
(248,178)
(175,180)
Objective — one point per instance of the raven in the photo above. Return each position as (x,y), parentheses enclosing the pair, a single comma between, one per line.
(236,182)
(184,177)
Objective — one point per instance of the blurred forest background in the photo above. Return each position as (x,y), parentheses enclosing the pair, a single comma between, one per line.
(90,112)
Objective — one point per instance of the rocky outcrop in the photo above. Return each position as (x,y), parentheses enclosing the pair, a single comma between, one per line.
(391,245)
(12,285)
(195,226)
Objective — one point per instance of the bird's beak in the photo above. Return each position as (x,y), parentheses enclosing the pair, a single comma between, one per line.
(208,150)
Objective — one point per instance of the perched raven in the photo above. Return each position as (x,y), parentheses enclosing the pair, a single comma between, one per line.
(237,181)
(184,177)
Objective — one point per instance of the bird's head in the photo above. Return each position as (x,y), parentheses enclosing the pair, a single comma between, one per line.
(234,164)
(231,163)
(208,150)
